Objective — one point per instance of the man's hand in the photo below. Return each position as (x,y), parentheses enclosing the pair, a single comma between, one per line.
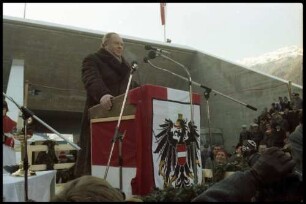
(106,101)
(272,166)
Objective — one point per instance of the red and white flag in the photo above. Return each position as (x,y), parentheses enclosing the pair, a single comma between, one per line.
(163,13)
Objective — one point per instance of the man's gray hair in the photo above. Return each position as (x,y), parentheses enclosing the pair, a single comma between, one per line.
(106,38)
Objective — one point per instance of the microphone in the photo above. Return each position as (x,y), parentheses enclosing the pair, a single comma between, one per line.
(152,54)
(134,64)
(149,47)
(146,60)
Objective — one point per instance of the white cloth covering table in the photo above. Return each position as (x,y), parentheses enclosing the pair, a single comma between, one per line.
(40,187)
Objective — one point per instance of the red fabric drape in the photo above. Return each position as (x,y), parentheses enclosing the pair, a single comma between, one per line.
(8,126)
(162,13)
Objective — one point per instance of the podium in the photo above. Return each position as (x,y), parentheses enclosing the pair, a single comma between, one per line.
(148,161)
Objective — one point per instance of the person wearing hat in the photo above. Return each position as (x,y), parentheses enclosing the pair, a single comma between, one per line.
(244,135)
(256,134)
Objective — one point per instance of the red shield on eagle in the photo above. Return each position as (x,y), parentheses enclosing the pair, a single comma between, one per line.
(181,150)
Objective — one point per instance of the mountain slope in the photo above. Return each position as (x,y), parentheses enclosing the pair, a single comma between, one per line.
(285,63)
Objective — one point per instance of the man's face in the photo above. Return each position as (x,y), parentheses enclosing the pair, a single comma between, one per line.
(220,157)
(216,149)
(115,45)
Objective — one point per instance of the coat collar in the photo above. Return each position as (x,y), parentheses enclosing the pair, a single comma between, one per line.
(120,67)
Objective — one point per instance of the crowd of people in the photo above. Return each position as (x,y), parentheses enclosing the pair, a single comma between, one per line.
(278,127)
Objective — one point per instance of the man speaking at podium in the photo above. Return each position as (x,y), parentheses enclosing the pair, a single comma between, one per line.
(105,74)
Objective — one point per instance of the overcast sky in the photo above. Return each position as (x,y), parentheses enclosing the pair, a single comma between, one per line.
(231,31)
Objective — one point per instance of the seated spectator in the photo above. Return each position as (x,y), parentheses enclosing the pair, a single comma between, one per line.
(279,136)
(220,165)
(268,138)
(88,189)
(249,152)
(237,162)
(209,164)
(237,156)
(256,134)
(262,147)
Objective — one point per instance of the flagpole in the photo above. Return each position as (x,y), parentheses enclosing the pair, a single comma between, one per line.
(24,12)
(163,18)
(165,39)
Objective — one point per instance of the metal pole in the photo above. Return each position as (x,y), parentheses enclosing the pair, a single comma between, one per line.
(25,159)
(195,168)
(165,39)
(206,95)
(24,11)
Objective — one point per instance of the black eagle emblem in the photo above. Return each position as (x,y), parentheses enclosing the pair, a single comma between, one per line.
(175,151)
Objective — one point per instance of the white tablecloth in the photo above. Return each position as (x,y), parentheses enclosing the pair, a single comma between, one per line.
(40,187)
(9,157)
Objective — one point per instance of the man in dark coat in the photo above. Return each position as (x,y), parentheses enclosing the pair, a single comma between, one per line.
(105,74)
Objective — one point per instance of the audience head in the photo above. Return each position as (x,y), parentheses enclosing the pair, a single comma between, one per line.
(238,149)
(88,189)
(216,148)
(262,147)
(221,157)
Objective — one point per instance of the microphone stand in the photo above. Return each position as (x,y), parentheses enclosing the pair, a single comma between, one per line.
(206,95)
(203,86)
(117,135)
(26,114)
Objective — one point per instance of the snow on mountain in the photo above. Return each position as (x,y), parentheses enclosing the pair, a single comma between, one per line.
(285,63)
(285,52)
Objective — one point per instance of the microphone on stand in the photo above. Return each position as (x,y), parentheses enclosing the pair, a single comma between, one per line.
(152,54)
(146,60)
(134,64)
(149,47)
